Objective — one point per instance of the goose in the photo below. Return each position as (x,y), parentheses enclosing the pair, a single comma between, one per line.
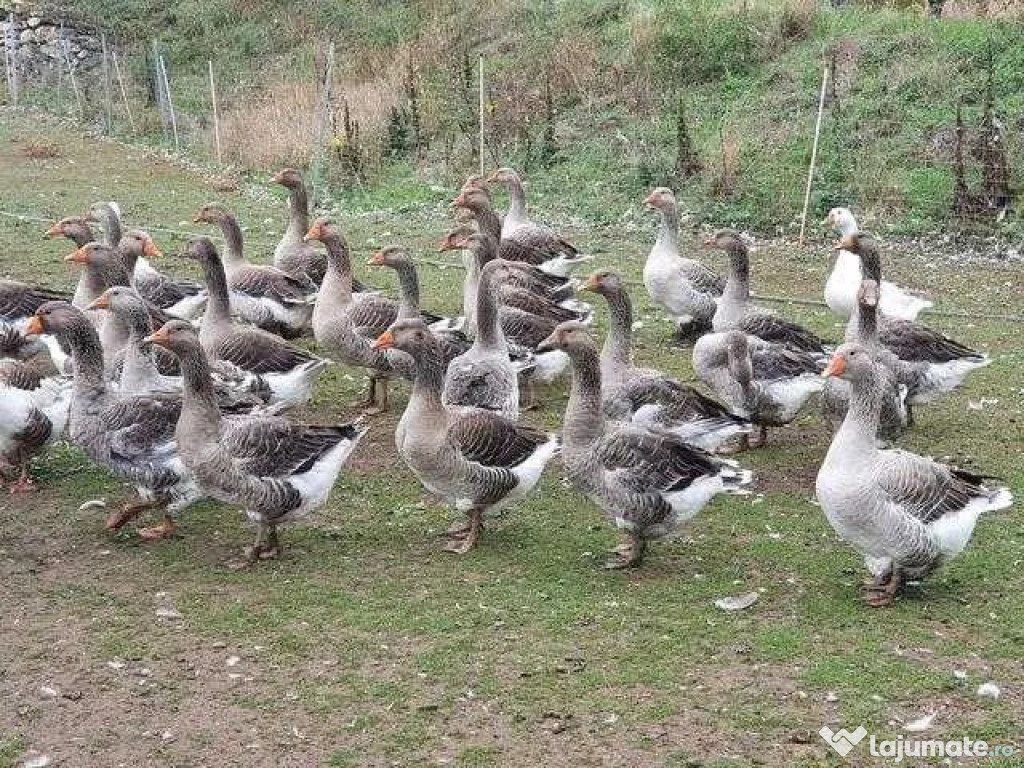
(536,244)
(268,297)
(683,287)
(835,395)
(764,382)
(453,342)
(131,436)
(647,397)
(289,371)
(140,375)
(906,514)
(844,280)
(931,364)
(108,216)
(479,461)
(343,322)
(735,310)
(76,229)
(648,483)
(550,254)
(294,254)
(276,469)
(180,299)
(33,414)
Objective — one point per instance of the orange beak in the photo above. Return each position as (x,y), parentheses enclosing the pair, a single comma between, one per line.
(384,341)
(376,259)
(78,257)
(150,251)
(100,302)
(315,233)
(651,201)
(494,177)
(34,327)
(590,285)
(55,231)
(459,201)
(448,244)
(158,337)
(835,367)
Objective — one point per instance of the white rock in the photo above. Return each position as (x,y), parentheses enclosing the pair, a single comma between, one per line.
(988,691)
(737,602)
(921,724)
(35,760)
(48,693)
(232,660)
(960,674)
(168,613)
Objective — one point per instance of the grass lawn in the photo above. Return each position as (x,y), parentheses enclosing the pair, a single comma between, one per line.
(368,645)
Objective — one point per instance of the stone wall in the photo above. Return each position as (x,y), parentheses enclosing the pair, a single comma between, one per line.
(41,47)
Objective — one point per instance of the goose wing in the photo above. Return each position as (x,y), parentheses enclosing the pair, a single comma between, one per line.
(259,352)
(271,283)
(914,342)
(273,446)
(19,300)
(488,439)
(139,427)
(776,361)
(925,488)
(703,278)
(777,329)
(372,314)
(645,462)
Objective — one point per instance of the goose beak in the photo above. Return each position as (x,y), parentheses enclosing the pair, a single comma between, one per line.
(77,257)
(448,244)
(376,259)
(549,344)
(459,201)
(590,285)
(493,178)
(54,231)
(709,242)
(158,337)
(384,341)
(100,302)
(836,366)
(651,201)
(150,251)
(276,178)
(313,233)
(34,326)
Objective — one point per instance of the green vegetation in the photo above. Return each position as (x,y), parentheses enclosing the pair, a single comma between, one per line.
(367,645)
(584,95)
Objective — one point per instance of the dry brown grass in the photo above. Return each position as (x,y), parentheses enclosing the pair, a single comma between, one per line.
(41,148)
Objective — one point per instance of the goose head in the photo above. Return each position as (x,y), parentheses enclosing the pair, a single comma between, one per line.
(411,336)
(102,260)
(852,362)
(660,198)
(504,176)
(726,240)
(390,256)
(320,230)
(55,317)
(100,211)
(72,227)
(200,249)
(471,198)
(138,242)
(604,282)
(841,220)
(568,337)
(211,213)
(463,238)
(287,177)
(176,336)
(121,300)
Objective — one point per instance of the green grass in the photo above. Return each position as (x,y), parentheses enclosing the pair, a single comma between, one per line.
(376,647)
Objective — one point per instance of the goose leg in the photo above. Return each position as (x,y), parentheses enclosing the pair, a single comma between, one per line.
(461,546)
(910,415)
(252,554)
(378,398)
(271,545)
(130,511)
(457,530)
(884,590)
(528,394)
(162,530)
(741,444)
(762,438)
(628,554)
(370,399)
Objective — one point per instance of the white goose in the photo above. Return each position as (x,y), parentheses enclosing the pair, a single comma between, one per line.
(906,514)
(844,281)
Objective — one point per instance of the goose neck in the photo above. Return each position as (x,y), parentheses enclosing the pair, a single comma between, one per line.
(409,291)
(618,343)
(516,199)
(218,305)
(668,231)
(233,240)
(584,420)
(200,417)
(737,286)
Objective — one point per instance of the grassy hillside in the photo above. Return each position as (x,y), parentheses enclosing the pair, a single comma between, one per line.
(585,95)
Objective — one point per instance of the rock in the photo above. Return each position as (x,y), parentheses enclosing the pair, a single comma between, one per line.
(168,613)
(921,724)
(737,602)
(34,21)
(988,691)
(232,660)
(48,693)
(34,760)
(27,36)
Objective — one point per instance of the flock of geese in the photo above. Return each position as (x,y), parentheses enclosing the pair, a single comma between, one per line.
(181,389)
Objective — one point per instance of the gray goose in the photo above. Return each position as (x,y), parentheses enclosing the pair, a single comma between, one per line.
(294,254)
(140,375)
(906,514)
(835,395)
(533,242)
(554,257)
(34,411)
(684,288)
(179,299)
(646,397)
(131,436)
(932,364)
(766,383)
(735,310)
(648,483)
(477,460)
(275,469)
(268,297)
(290,372)
(343,322)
